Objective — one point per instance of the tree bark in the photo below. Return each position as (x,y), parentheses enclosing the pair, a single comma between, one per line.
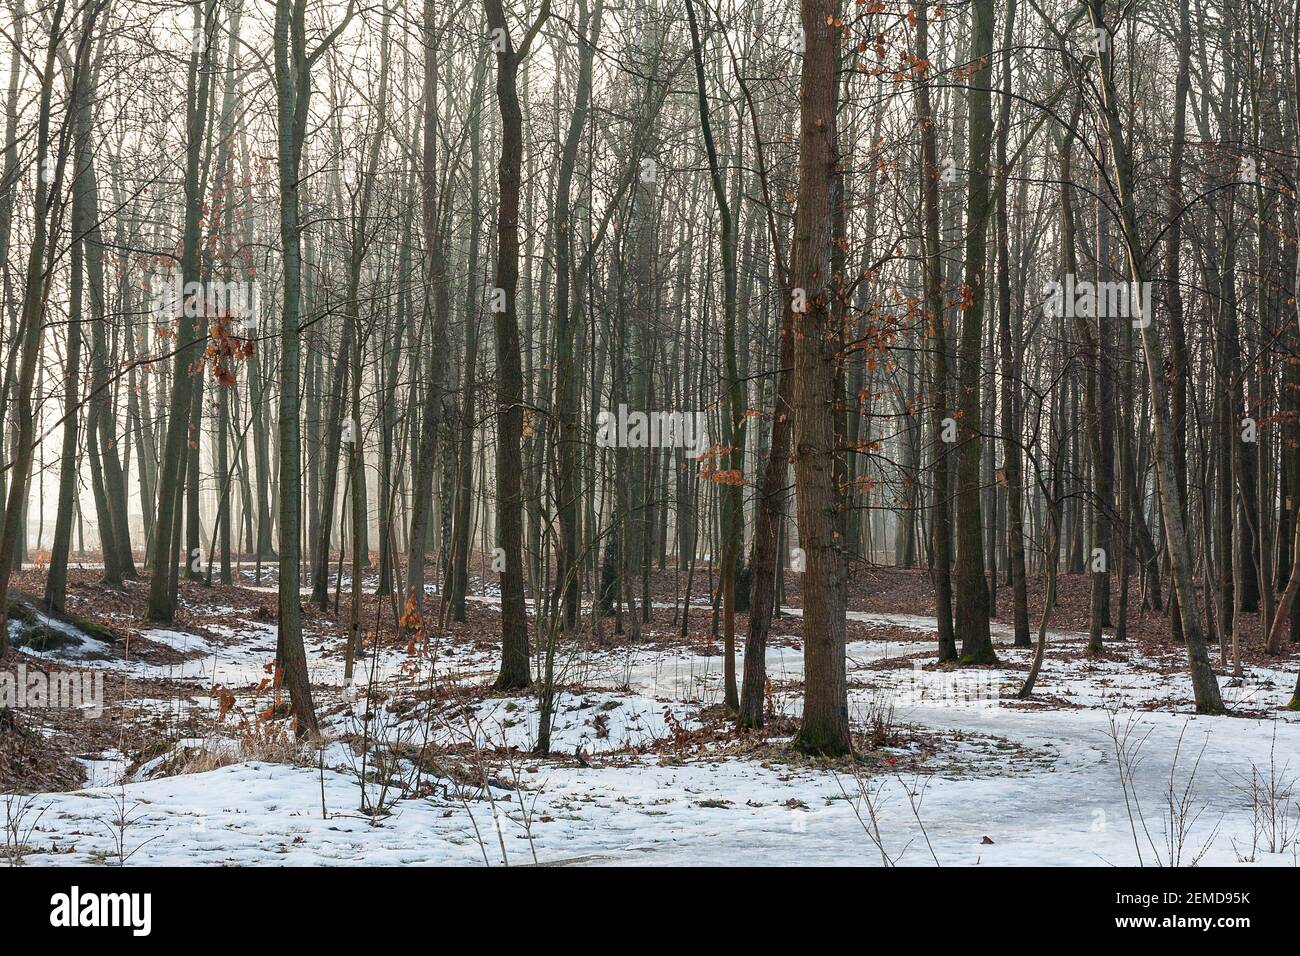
(937,352)
(514,671)
(825,727)
(1205,686)
(972,611)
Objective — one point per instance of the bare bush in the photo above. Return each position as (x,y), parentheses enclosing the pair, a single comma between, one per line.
(1275,809)
(1182,809)
(21,818)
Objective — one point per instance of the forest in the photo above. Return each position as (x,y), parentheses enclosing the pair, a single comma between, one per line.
(478,432)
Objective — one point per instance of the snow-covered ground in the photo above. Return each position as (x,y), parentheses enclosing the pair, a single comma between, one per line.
(999,782)
(1068,809)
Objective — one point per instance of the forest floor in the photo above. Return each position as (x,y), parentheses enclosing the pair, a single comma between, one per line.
(191,762)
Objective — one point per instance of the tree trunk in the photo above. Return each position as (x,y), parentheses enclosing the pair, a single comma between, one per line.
(1013,471)
(31,327)
(825,727)
(514,671)
(972,612)
(1205,686)
(937,350)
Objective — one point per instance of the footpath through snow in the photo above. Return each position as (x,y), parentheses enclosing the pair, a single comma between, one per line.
(1012,784)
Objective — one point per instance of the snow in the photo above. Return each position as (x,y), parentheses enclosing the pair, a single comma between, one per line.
(594,723)
(655,813)
(76,644)
(1040,782)
(105,769)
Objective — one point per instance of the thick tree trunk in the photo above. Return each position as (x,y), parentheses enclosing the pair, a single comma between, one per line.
(972,611)
(825,727)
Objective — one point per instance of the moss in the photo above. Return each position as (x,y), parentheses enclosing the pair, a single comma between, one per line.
(99,631)
(508,684)
(34,617)
(21,612)
(815,742)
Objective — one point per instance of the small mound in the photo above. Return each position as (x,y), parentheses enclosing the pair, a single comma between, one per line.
(49,634)
(32,763)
